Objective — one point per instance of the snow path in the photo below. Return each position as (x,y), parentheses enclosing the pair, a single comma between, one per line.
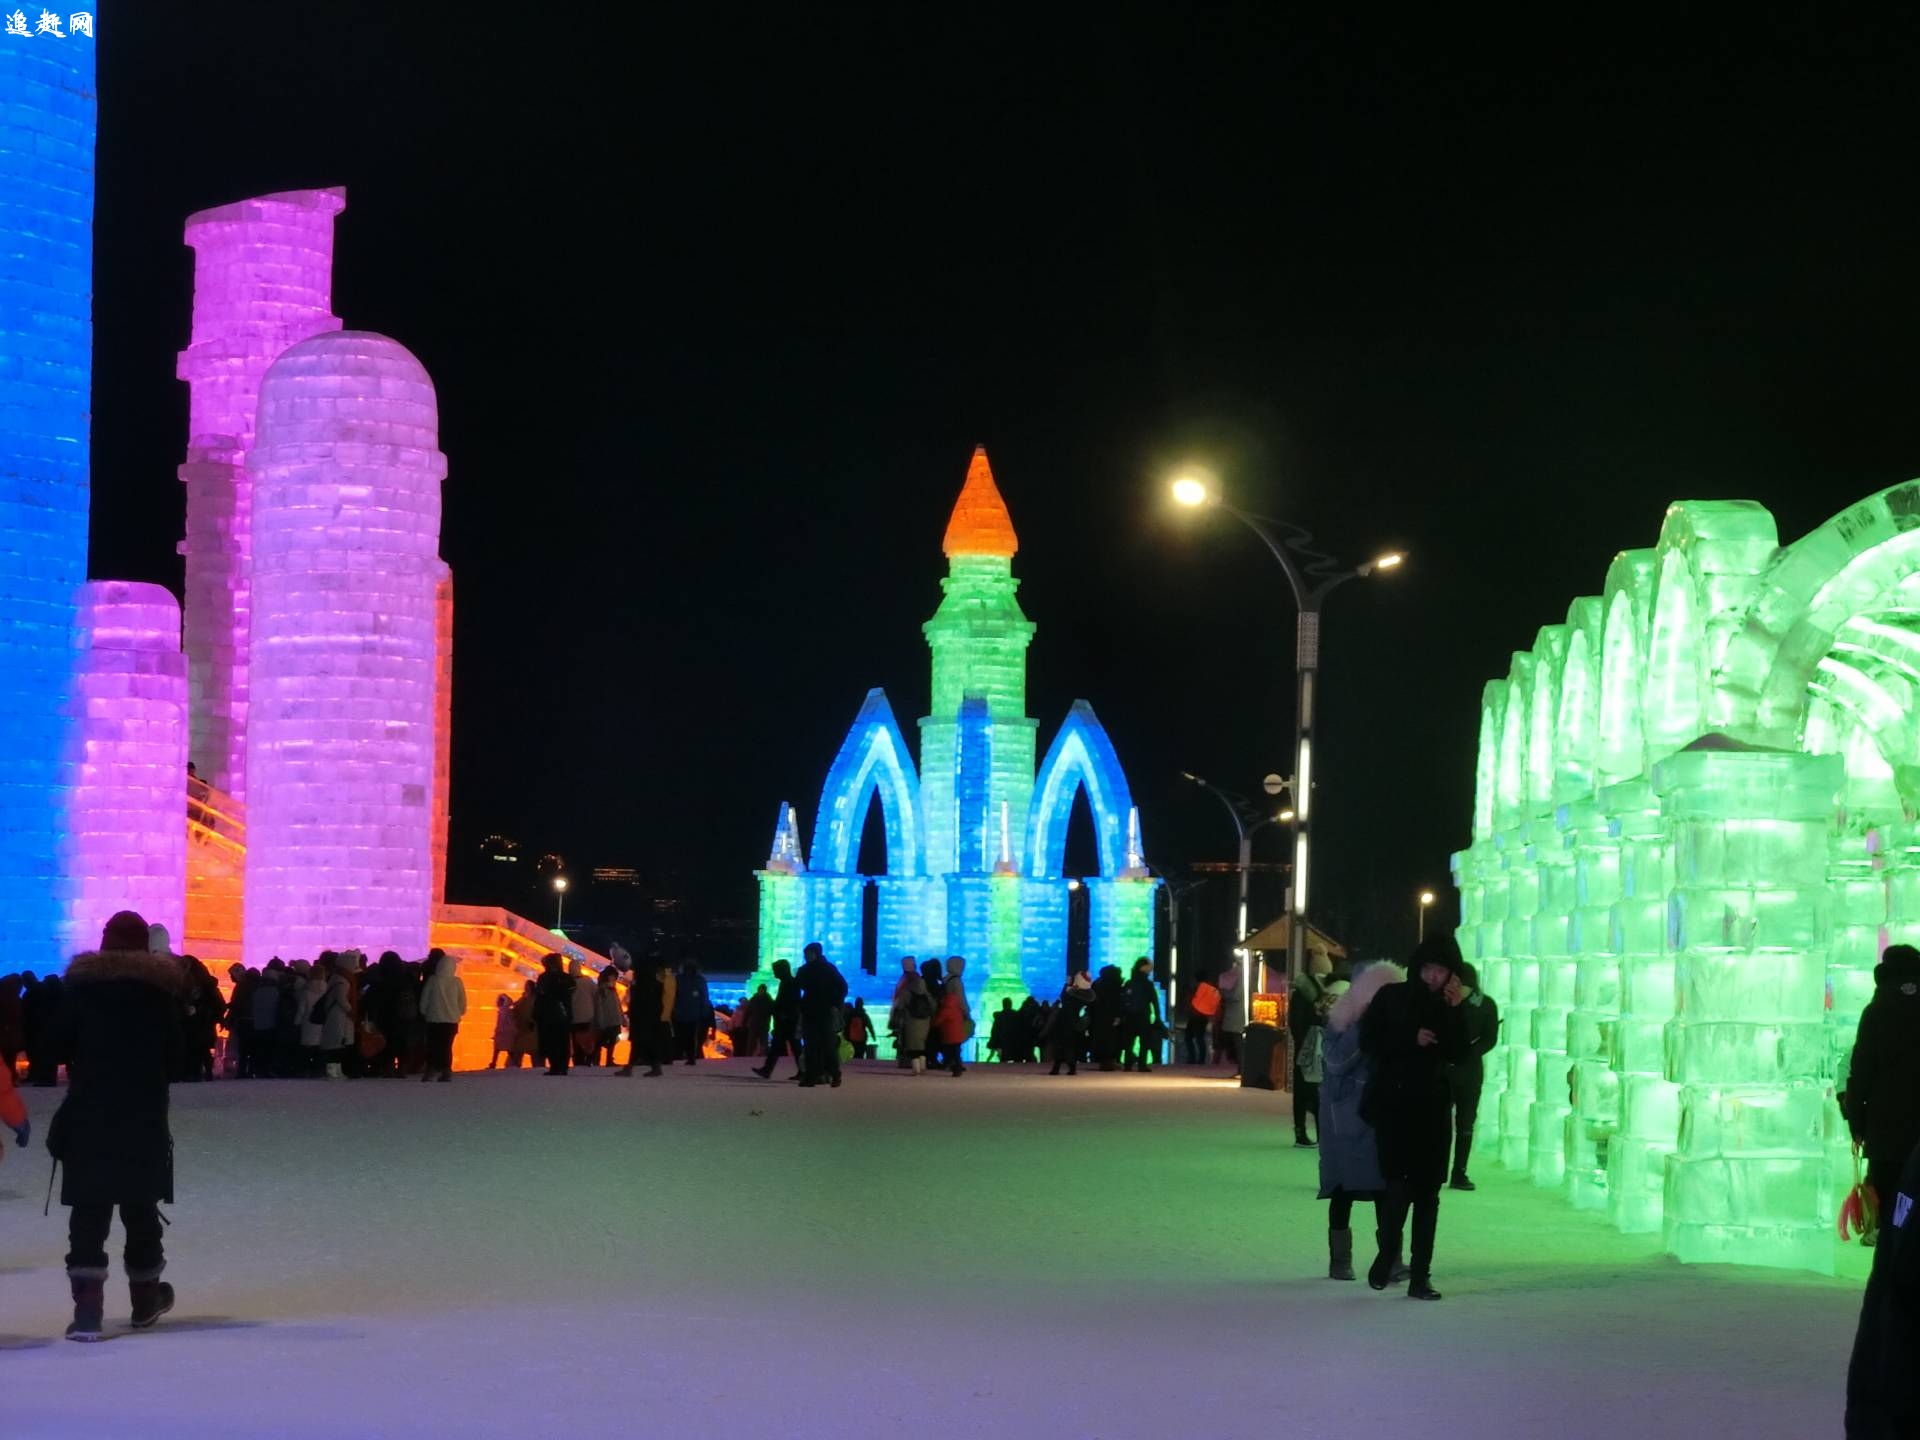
(1005,1255)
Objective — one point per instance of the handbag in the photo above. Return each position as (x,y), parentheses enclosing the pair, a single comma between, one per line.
(1860,1211)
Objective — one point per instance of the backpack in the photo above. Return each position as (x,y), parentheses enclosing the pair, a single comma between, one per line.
(1313,1057)
(1206,999)
(919,1006)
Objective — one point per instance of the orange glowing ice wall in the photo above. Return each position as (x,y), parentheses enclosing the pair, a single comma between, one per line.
(125,842)
(262,280)
(340,735)
(442,727)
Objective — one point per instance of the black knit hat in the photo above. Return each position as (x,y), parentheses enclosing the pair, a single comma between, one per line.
(1442,950)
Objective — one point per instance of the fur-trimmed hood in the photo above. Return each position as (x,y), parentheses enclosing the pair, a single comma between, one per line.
(1368,983)
(97,967)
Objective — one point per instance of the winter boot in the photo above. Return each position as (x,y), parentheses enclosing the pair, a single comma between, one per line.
(151,1300)
(1422,1289)
(1461,1182)
(1340,1255)
(446,1077)
(920,1065)
(1387,1268)
(89,1304)
(624,1070)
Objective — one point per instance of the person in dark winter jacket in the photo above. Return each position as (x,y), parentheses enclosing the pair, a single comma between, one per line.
(1883,1381)
(650,997)
(1307,1003)
(43,1003)
(553,1013)
(1465,1078)
(821,988)
(1140,1021)
(1067,1030)
(13,1024)
(1349,1154)
(1107,1015)
(240,1020)
(201,1010)
(1883,1086)
(786,1022)
(119,1035)
(692,1010)
(1411,1033)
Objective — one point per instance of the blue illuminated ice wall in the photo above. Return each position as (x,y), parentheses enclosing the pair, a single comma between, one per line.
(46,359)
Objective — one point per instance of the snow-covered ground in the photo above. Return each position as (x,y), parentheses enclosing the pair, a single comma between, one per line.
(1004,1255)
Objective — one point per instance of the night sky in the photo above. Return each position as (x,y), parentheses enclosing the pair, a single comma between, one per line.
(719,304)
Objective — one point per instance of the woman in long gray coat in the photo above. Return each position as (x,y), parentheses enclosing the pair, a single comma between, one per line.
(910,1028)
(1349,1156)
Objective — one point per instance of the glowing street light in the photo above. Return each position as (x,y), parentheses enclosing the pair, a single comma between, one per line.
(1426,903)
(559,902)
(1312,576)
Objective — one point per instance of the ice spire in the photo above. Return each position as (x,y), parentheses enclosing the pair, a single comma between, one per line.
(1136,866)
(980,523)
(785,856)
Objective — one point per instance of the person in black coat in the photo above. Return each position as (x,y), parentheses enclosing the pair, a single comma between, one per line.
(646,1026)
(120,1036)
(553,1013)
(934,976)
(41,1005)
(786,1022)
(1140,1030)
(1108,1014)
(822,989)
(1466,1078)
(1883,1084)
(1411,1033)
(1883,1382)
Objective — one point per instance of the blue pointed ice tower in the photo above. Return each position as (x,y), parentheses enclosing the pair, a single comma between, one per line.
(975,845)
(46,365)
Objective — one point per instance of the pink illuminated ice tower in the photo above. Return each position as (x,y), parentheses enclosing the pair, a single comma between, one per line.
(262,281)
(345,665)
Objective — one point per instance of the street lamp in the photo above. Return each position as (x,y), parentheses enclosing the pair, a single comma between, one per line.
(1242,812)
(559,902)
(1312,576)
(1426,903)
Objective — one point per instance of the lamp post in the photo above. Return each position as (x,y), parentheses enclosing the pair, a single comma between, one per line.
(1426,904)
(1242,812)
(1312,577)
(559,903)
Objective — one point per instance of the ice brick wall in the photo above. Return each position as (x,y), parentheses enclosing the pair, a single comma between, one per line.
(124,846)
(46,360)
(262,281)
(346,527)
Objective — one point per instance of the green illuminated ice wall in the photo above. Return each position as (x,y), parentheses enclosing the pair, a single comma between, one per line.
(1693,833)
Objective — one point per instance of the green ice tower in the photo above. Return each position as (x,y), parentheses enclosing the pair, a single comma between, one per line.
(979,640)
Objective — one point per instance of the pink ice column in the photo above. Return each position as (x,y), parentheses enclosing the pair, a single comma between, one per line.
(340,736)
(262,280)
(125,843)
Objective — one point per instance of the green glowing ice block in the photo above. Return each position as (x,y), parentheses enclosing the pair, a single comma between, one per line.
(1750,915)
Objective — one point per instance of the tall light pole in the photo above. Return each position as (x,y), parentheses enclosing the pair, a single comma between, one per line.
(1426,904)
(559,903)
(1312,577)
(1242,813)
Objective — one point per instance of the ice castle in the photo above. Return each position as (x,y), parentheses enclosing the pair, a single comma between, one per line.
(975,838)
(1693,834)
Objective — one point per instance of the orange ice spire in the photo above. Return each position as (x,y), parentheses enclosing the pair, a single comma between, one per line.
(980,523)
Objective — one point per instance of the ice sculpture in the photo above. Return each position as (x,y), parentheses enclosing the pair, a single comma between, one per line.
(1691,840)
(975,840)
(125,841)
(46,360)
(262,281)
(345,577)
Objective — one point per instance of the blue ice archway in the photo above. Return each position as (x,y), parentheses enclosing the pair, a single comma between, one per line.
(874,756)
(1081,757)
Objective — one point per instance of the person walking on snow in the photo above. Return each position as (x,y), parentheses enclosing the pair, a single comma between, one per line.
(953,1020)
(786,1022)
(914,1011)
(1349,1155)
(1067,1031)
(606,1016)
(822,988)
(692,1010)
(443,1001)
(1467,1077)
(650,997)
(553,1012)
(120,1037)
(1411,1033)
(896,1009)
(1307,1005)
(1140,1030)
(580,1030)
